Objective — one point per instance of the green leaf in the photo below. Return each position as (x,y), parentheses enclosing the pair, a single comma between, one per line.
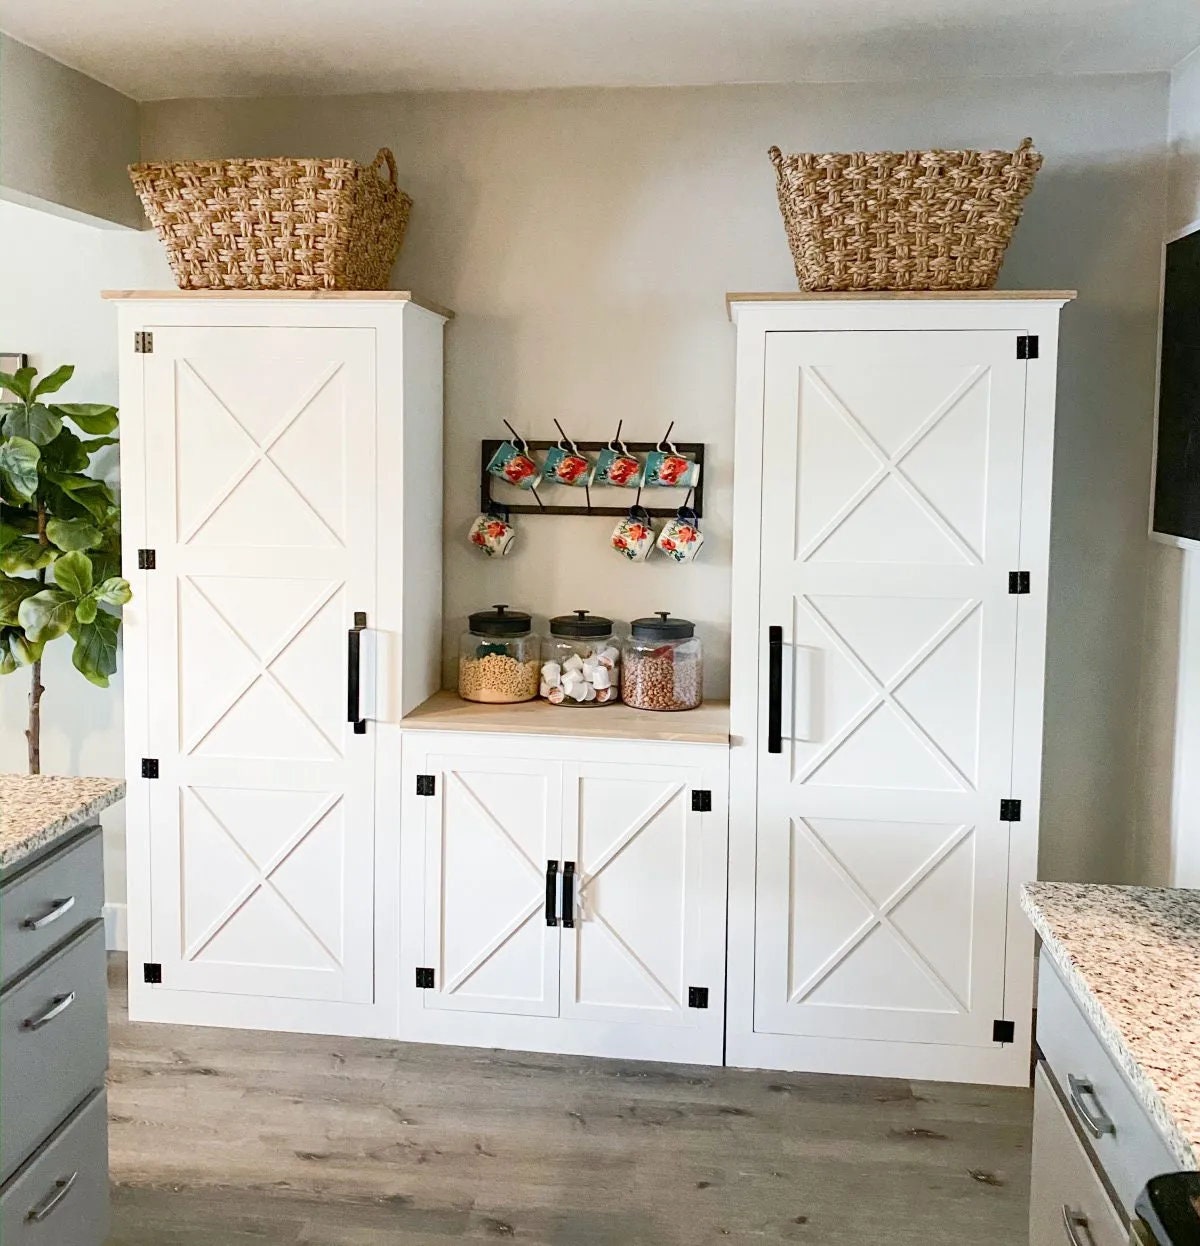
(54,381)
(18,382)
(73,574)
(96,418)
(69,534)
(12,593)
(47,615)
(26,553)
(24,650)
(95,655)
(113,592)
(84,496)
(32,421)
(8,533)
(92,444)
(86,609)
(18,469)
(65,454)
(8,663)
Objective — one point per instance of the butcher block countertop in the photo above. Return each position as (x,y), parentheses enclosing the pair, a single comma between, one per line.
(1131,958)
(447,711)
(36,809)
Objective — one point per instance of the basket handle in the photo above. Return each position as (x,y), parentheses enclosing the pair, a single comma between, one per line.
(385,156)
(776,157)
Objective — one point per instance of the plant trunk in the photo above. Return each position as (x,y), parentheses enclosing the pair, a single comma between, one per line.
(33,733)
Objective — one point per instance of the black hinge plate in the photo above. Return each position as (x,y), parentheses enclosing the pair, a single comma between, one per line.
(149,767)
(1003,1031)
(143,342)
(146,559)
(425,979)
(426,785)
(697,997)
(152,973)
(1027,346)
(1018,581)
(1010,811)
(701,800)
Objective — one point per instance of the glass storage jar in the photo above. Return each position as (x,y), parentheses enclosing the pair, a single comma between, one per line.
(498,657)
(663,669)
(581,661)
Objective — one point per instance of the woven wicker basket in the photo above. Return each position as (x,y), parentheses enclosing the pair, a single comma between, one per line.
(913,220)
(277,224)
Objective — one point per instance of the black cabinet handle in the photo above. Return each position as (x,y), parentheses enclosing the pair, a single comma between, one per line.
(568,894)
(354,672)
(551,893)
(775,690)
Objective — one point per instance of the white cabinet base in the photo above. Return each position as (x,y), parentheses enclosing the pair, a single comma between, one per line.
(491,824)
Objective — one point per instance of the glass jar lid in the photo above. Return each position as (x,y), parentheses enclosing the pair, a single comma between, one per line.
(580,623)
(500,621)
(662,627)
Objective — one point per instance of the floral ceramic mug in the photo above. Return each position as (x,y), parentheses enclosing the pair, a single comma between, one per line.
(667,468)
(617,467)
(566,464)
(681,537)
(513,463)
(492,533)
(633,537)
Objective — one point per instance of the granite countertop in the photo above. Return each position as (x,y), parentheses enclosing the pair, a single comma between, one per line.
(1131,956)
(37,808)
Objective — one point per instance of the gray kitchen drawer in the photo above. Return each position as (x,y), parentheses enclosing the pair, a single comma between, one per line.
(53,1044)
(45,904)
(61,1197)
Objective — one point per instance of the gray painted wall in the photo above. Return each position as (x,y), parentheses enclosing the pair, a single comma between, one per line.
(586,240)
(65,139)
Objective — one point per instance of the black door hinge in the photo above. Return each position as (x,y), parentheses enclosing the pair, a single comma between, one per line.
(1010,811)
(149,767)
(146,560)
(426,785)
(1027,346)
(152,973)
(697,997)
(1018,581)
(425,979)
(143,342)
(1003,1031)
(701,800)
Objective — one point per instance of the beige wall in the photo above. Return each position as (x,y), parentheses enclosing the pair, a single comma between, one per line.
(1167,846)
(65,139)
(586,240)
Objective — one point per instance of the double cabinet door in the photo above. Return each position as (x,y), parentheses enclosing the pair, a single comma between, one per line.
(584,892)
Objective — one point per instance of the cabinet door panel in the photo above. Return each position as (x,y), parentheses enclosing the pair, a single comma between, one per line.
(261,510)
(643,867)
(489,832)
(890,522)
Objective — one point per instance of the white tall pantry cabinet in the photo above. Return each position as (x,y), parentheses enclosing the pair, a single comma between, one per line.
(892,507)
(282,474)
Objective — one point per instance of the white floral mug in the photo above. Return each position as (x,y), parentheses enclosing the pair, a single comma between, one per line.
(493,533)
(633,537)
(681,537)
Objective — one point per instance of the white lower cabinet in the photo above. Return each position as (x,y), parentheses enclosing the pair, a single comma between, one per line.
(564,894)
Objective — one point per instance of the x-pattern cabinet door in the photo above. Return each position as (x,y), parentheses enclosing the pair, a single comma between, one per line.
(260,507)
(890,521)
(491,828)
(642,865)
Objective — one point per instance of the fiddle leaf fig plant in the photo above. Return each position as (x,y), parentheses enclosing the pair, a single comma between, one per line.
(60,536)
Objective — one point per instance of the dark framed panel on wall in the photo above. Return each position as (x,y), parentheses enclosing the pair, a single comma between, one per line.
(10,362)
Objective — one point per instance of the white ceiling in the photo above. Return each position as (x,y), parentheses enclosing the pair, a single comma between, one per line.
(157,49)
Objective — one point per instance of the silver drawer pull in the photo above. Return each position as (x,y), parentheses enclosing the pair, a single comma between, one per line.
(60,1005)
(51,1201)
(61,909)
(1095,1120)
(1073,1221)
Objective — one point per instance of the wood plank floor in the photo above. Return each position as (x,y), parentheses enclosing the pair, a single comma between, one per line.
(225,1138)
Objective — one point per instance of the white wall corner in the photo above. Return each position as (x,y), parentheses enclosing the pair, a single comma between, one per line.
(116,927)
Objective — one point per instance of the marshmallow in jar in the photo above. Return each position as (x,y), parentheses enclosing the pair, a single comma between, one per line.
(581,661)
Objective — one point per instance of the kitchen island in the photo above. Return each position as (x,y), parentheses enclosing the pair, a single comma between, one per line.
(53,1011)
(1117,1093)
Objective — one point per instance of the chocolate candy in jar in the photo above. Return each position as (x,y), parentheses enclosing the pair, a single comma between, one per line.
(498,657)
(663,664)
(581,661)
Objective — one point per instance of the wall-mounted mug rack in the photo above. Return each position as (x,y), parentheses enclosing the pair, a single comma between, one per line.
(545,494)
